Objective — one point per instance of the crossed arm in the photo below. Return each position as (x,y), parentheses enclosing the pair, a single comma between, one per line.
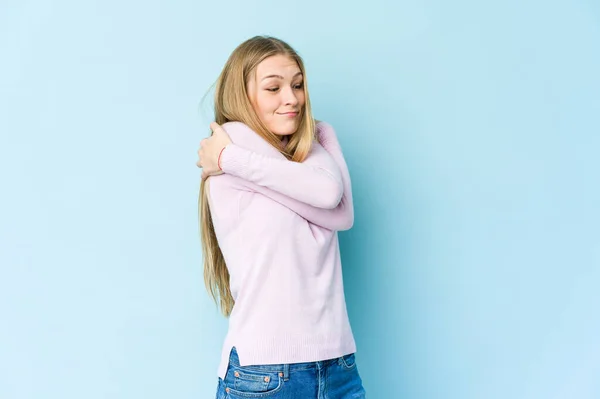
(318,189)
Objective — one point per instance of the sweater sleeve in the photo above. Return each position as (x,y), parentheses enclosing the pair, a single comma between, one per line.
(316,181)
(341,217)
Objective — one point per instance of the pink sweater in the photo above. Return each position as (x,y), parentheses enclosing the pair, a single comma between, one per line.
(276,222)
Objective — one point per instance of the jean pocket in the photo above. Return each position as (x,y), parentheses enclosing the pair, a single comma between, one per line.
(248,383)
(348,362)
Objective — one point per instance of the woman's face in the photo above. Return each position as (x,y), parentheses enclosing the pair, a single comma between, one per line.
(277,94)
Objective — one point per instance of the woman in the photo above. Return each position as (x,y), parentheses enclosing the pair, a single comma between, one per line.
(275,190)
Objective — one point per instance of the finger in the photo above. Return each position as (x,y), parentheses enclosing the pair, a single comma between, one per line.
(219,131)
(214,126)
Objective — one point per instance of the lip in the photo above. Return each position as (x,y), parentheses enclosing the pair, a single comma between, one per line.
(290,114)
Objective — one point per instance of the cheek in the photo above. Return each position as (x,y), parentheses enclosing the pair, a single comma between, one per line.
(267,104)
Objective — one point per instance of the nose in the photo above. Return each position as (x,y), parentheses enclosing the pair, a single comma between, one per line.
(289,97)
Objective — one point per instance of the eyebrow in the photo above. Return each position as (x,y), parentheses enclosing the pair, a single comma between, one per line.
(279,76)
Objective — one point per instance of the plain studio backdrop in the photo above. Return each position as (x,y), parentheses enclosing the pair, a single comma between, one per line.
(472,133)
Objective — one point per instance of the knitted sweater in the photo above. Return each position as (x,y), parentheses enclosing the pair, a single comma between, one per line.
(276,222)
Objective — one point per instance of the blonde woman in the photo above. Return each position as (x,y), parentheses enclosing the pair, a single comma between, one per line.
(275,190)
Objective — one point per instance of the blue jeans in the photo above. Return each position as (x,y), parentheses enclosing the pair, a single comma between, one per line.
(328,379)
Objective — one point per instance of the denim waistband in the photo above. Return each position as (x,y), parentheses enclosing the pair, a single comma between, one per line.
(235,361)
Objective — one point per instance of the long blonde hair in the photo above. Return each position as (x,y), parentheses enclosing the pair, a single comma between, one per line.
(232,103)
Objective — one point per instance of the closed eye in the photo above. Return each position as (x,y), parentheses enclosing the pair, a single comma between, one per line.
(299,86)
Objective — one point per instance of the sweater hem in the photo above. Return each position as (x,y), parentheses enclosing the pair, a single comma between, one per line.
(284,350)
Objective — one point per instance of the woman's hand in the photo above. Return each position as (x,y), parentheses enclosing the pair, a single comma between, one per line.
(210,149)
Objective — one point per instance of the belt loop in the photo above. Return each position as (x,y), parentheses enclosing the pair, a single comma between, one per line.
(286,372)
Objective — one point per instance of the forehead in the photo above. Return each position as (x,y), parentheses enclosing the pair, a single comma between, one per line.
(277,65)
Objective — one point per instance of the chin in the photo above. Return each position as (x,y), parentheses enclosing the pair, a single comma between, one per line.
(285,130)
(284,133)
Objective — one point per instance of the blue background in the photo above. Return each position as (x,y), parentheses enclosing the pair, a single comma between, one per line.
(472,132)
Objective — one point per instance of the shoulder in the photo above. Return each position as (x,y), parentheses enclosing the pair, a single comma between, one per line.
(322,125)
(243,136)
(235,127)
(240,132)
(325,133)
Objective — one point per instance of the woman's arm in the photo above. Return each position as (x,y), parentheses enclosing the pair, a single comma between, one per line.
(339,218)
(317,181)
